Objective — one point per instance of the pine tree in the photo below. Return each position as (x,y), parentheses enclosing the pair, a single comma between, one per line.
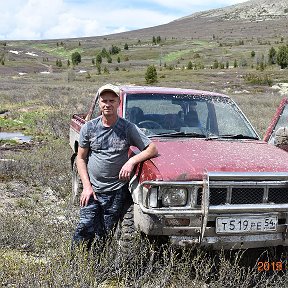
(76,58)
(151,75)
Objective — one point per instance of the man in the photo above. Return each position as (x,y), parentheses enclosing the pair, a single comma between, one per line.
(104,167)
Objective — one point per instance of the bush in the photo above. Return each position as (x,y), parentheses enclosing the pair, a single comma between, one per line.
(114,50)
(151,75)
(76,58)
(98,59)
(190,65)
(282,56)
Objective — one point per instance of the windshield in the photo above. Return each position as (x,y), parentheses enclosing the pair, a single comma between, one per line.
(166,114)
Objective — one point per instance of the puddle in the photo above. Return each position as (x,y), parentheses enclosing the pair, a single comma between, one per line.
(18,136)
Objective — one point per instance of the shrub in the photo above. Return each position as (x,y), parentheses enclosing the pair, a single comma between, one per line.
(114,50)
(151,75)
(98,59)
(215,64)
(190,65)
(76,58)
(282,56)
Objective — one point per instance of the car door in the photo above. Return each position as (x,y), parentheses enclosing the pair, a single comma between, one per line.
(277,132)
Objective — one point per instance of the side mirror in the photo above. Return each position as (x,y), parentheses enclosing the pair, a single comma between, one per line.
(281,138)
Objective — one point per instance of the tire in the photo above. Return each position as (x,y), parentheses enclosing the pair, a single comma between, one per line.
(126,232)
(77,186)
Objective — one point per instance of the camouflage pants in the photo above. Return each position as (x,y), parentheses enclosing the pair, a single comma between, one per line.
(99,218)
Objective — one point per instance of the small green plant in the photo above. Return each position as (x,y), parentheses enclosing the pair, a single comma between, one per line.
(151,75)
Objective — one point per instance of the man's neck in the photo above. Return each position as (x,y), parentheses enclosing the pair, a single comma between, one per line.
(109,121)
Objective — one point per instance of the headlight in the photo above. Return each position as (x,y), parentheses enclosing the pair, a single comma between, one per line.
(174,196)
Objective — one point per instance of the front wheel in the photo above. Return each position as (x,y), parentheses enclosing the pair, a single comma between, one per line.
(77,185)
(126,230)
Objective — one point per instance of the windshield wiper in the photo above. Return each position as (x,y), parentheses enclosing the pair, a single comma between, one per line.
(176,134)
(238,136)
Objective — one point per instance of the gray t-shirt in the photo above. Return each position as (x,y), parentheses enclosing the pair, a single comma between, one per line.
(108,150)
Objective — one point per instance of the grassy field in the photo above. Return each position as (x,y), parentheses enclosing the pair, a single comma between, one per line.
(36,219)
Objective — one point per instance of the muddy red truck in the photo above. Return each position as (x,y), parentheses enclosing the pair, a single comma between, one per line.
(214,183)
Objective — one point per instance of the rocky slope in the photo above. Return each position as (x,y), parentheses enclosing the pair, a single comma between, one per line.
(255,10)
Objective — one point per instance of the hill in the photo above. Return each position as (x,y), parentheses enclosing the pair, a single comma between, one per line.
(258,18)
(254,10)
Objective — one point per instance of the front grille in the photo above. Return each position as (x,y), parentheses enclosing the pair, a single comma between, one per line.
(245,195)
(218,196)
(278,195)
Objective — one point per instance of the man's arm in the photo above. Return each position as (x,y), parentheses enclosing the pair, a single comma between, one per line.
(149,152)
(81,162)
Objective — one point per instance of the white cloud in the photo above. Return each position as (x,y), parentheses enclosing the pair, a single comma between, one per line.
(34,19)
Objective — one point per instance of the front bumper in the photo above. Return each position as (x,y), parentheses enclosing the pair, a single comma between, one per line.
(190,226)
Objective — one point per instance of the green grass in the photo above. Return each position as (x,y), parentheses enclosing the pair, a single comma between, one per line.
(173,56)
(59,51)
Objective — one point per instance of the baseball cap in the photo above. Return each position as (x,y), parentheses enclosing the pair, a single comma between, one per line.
(109,87)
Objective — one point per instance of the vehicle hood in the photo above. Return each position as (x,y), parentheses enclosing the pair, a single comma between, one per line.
(189,159)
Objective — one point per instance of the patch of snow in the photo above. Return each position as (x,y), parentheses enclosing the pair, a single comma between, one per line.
(31,54)
(15,52)
(240,92)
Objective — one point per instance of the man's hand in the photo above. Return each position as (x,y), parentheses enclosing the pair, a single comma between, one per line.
(85,196)
(126,170)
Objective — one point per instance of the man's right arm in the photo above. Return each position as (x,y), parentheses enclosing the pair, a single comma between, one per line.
(81,162)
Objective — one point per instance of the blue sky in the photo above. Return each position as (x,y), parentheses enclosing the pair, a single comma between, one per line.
(54,19)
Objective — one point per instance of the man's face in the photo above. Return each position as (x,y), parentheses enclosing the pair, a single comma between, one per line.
(109,103)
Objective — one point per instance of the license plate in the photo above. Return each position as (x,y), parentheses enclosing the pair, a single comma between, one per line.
(246,224)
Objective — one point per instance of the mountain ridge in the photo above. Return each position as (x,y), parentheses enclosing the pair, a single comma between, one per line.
(253,10)
(254,18)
